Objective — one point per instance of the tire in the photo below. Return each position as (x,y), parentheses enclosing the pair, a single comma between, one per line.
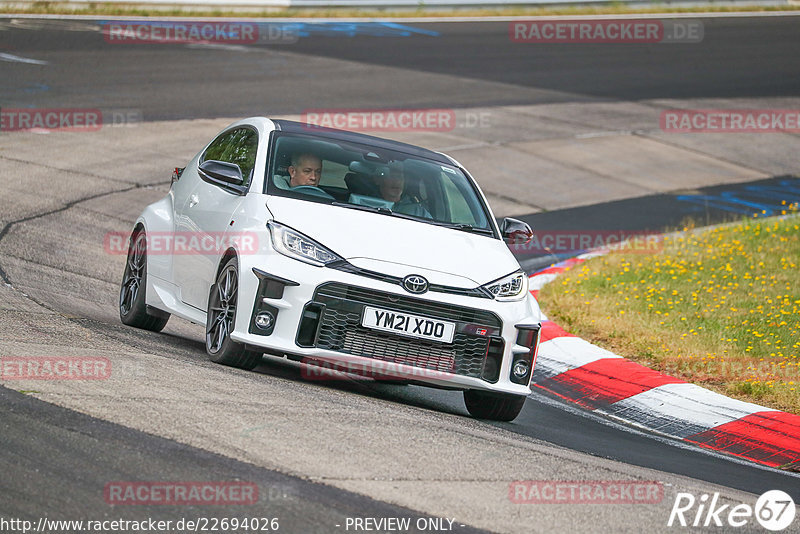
(493,406)
(133,310)
(221,317)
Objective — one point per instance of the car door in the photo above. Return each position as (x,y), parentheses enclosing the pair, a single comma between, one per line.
(207,215)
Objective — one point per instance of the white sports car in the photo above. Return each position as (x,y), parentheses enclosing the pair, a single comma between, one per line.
(344,250)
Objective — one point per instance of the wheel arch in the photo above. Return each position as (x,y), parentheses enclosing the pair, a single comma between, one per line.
(157,219)
(225,258)
(138,313)
(138,227)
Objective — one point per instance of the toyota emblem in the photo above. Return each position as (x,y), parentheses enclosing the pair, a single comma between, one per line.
(415,283)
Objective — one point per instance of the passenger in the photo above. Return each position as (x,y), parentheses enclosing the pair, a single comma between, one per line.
(392,187)
(391,182)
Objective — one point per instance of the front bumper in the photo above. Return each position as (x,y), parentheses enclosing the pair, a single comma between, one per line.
(318,315)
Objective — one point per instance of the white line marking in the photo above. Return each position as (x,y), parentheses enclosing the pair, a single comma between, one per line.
(624,426)
(19,59)
(538,281)
(562,354)
(219,46)
(681,410)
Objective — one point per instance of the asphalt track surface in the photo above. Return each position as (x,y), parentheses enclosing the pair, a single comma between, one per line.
(44,442)
(54,459)
(736,59)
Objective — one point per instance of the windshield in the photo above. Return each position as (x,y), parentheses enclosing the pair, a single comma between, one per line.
(363,177)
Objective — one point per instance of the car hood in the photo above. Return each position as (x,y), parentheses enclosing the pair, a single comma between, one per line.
(397,246)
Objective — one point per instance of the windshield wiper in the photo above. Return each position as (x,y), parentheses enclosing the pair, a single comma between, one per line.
(373,209)
(469,228)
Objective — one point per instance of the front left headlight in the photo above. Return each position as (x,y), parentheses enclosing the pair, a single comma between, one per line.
(511,287)
(292,243)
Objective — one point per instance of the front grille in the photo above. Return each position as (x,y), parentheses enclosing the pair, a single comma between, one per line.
(340,330)
(413,305)
(399,351)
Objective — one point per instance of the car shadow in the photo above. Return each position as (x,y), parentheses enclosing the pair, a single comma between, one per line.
(444,401)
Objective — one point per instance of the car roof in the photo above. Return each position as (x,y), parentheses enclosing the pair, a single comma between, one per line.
(343,135)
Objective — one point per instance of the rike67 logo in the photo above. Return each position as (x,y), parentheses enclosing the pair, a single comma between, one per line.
(774,510)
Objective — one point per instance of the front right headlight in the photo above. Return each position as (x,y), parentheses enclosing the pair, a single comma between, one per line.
(292,243)
(511,287)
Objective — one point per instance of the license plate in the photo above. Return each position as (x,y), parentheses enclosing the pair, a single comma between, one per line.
(408,324)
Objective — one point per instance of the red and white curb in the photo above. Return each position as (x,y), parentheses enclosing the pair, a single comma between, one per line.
(603,382)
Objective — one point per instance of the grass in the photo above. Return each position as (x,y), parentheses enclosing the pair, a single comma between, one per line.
(101,9)
(719,307)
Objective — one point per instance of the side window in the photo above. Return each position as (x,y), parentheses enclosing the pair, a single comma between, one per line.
(463,206)
(236,146)
(459,209)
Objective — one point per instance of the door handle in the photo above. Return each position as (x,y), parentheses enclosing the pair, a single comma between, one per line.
(193,200)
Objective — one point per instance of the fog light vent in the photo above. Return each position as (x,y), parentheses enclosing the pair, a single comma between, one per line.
(523,364)
(493,360)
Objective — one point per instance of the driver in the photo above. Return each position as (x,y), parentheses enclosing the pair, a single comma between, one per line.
(306,169)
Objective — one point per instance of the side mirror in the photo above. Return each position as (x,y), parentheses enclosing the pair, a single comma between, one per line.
(516,232)
(221,171)
(176,174)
